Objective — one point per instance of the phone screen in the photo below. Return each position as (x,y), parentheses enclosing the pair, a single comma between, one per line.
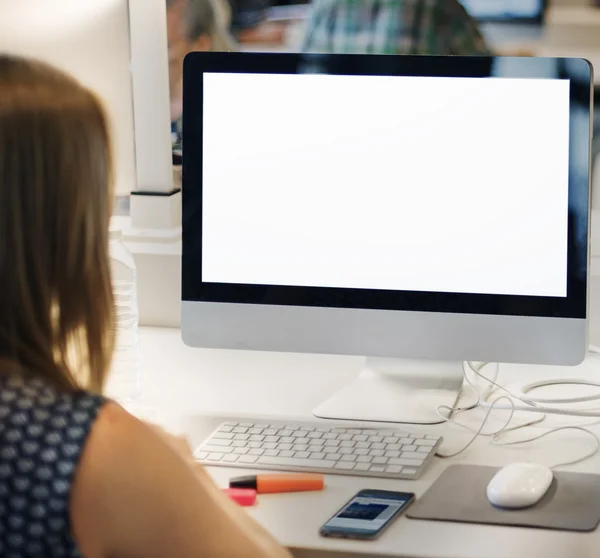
(367,513)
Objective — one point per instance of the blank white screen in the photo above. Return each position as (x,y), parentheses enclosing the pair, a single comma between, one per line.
(400,183)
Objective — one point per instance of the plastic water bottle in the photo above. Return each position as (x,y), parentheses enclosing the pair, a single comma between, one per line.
(124,384)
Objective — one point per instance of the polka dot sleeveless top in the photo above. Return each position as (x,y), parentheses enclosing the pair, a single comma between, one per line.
(42,435)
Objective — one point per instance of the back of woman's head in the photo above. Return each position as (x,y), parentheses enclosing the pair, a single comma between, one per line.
(56,306)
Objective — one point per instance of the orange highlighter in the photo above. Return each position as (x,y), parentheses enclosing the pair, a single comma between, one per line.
(274,483)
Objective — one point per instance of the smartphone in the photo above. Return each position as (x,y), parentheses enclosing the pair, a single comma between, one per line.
(367,514)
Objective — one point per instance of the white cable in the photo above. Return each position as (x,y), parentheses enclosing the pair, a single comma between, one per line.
(477,433)
(531,406)
(554,431)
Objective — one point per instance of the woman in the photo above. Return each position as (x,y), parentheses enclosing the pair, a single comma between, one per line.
(78,475)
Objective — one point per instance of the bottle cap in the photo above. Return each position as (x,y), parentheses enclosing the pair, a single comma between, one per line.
(243,496)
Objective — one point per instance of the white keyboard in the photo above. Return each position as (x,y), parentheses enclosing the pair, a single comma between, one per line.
(370,452)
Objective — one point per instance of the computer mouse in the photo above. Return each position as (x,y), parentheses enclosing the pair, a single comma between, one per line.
(519,485)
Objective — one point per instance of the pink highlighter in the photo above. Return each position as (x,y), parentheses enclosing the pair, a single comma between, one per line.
(243,496)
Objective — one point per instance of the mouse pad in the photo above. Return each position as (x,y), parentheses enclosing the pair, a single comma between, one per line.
(571,504)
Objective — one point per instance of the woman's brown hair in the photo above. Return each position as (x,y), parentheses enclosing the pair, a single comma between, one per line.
(56,304)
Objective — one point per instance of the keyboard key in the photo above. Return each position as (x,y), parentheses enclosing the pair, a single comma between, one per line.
(392,454)
(246,424)
(272,453)
(301,448)
(240,430)
(364,459)
(307,428)
(405,462)
(302,454)
(293,462)
(317,455)
(394,447)
(413,455)
(375,439)
(271,439)
(379,446)
(333,456)
(332,443)
(201,455)
(377,469)
(256,452)
(348,458)
(364,445)
(242,437)
(317,442)
(379,460)
(227,424)
(270,432)
(436,438)
(254,445)
(330,436)
(315,434)
(285,432)
(255,431)
(287,439)
(426,442)
(394,469)
(299,434)
(406,441)
(344,465)
(214,457)
(345,437)
(231,458)
(338,430)
(248,459)
(216,449)
(360,438)
(347,444)
(362,467)
(217,442)
(409,471)
(223,436)
(354,431)
(362,451)
(256,438)
(391,440)
(345,451)
(424,449)
(241,451)
(269,445)
(286,454)
(376,453)
(239,444)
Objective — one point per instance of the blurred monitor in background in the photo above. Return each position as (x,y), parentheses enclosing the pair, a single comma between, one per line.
(506,10)
(393,27)
(192,25)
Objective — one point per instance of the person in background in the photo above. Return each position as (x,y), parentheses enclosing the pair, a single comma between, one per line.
(250,25)
(79,476)
(193,25)
(392,27)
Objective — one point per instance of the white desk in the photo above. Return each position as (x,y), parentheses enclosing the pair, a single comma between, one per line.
(182,382)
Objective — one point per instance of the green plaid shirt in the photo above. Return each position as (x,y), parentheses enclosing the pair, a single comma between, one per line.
(392,27)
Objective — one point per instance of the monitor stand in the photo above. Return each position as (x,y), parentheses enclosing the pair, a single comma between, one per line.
(397,390)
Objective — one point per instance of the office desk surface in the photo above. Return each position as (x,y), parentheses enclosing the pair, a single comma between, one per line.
(181,384)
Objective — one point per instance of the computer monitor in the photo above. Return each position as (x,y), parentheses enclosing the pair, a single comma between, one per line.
(526,11)
(420,211)
(117,48)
